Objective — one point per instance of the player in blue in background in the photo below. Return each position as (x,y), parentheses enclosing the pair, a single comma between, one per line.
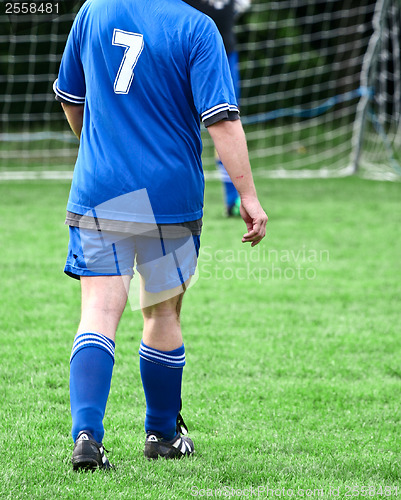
(135,81)
(224,14)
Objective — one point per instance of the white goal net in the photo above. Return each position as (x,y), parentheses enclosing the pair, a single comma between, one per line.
(320,89)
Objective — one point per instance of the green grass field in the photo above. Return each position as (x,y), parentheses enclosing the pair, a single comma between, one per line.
(293,376)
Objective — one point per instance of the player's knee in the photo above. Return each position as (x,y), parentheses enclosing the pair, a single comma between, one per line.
(164,309)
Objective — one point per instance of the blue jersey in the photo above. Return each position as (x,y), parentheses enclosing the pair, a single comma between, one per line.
(147,72)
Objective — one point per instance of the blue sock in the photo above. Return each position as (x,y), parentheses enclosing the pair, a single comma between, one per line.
(230,193)
(91,368)
(161,374)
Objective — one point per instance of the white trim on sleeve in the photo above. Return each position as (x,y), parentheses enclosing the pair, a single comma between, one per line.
(218,109)
(73,99)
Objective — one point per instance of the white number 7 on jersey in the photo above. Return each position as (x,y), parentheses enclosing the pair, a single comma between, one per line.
(134,45)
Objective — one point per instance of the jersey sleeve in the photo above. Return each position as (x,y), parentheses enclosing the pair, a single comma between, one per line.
(70,87)
(211,81)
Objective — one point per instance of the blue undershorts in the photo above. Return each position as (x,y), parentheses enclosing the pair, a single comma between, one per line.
(163,260)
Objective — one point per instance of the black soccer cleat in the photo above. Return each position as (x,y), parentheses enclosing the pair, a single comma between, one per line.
(88,454)
(178,447)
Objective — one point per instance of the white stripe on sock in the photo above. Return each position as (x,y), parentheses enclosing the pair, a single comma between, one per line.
(92,339)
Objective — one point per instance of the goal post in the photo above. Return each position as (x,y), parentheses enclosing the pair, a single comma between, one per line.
(376,133)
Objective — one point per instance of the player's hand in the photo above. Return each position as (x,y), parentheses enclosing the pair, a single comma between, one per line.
(255,219)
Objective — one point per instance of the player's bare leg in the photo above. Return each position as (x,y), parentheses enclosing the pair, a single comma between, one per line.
(103,302)
(162,360)
(162,327)
(92,360)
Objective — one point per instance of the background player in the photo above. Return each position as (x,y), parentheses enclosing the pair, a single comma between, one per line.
(224,14)
(135,80)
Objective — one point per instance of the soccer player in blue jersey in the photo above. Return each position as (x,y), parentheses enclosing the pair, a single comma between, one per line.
(135,80)
(224,14)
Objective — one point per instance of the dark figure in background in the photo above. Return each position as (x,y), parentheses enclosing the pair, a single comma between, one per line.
(224,13)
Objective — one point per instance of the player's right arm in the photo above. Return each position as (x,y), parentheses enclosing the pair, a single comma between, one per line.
(70,88)
(230,142)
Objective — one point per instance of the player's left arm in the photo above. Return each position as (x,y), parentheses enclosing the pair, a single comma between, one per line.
(75,117)
(230,142)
